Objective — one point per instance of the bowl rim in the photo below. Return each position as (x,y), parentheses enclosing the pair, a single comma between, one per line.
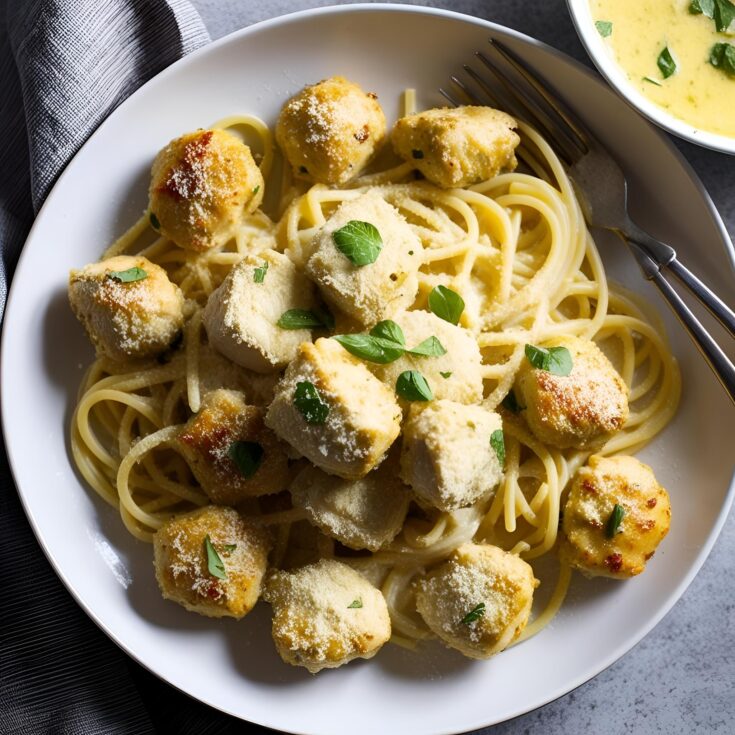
(593,43)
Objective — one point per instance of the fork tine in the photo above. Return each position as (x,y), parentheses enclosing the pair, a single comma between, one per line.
(580,131)
(448,97)
(473,98)
(511,101)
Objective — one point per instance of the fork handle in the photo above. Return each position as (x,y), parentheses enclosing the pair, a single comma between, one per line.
(665,256)
(711,351)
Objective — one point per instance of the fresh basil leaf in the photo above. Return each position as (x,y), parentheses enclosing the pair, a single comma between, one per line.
(724,15)
(128,276)
(604,27)
(412,386)
(430,347)
(372,349)
(446,375)
(510,402)
(707,7)
(247,456)
(259,273)
(356,603)
(309,403)
(359,242)
(325,316)
(389,330)
(215,565)
(650,80)
(300,319)
(446,304)
(555,360)
(722,56)
(475,614)
(497,442)
(666,63)
(154,221)
(613,522)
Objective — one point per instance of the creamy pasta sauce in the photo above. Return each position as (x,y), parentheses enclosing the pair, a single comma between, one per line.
(697,92)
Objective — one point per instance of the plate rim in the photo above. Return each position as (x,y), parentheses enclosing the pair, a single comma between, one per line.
(592,671)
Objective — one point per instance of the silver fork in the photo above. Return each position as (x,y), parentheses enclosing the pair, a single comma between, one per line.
(522,92)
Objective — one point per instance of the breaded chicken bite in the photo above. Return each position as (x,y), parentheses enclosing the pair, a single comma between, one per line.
(450,453)
(241,316)
(581,410)
(615,517)
(459,146)
(362,514)
(230,451)
(329,131)
(455,375)
(127,305)
(202,184)
(479,600)
(368,292)
(325,615)
(334,411)
(211,561)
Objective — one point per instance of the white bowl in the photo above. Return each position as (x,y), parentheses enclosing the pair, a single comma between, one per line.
(615,75)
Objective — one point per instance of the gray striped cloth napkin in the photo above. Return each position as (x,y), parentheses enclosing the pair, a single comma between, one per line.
(64,66)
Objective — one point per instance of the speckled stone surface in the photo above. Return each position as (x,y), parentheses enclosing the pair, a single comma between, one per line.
(681,678)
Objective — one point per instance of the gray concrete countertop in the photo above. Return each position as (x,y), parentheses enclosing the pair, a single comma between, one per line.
(681,677)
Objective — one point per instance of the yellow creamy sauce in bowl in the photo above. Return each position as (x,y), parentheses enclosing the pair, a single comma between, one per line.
(697,92)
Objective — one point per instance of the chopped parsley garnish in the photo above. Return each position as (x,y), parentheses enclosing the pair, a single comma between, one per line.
(256,189)
(215,565)
(722,56)
(259,273)
(446,304)
(497,442)
(412,386)
(555,360)
(445,375)
(475,614)
(154,221)
(356,603)
(511,403)
(359,242)
(613,522)
(247,456)
(302,319)
(604,27)
(666,63)
(430,347)
(128,276)
(309,403)
(417,154)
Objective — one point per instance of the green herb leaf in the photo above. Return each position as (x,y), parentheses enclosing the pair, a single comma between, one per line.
(372,349)
(259,273)
(412,386)
(697,7)
(446,375)
(724,15)
(722,57)
(650,80)
(154,221)
(417,154)
(604,27)
(497,442)
(555,360)
(215,565)
(430,347)
(309,402)
(301,319)
(326,317)
(256,189)
(510,402)
(613,522)
(247,456)
(389,330)
(359,242)
(666,63)
(446,304)
(128,276)
(475,614)
(356,603)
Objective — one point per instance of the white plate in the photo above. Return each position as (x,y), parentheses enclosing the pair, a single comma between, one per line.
(612,71)
(231,665)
